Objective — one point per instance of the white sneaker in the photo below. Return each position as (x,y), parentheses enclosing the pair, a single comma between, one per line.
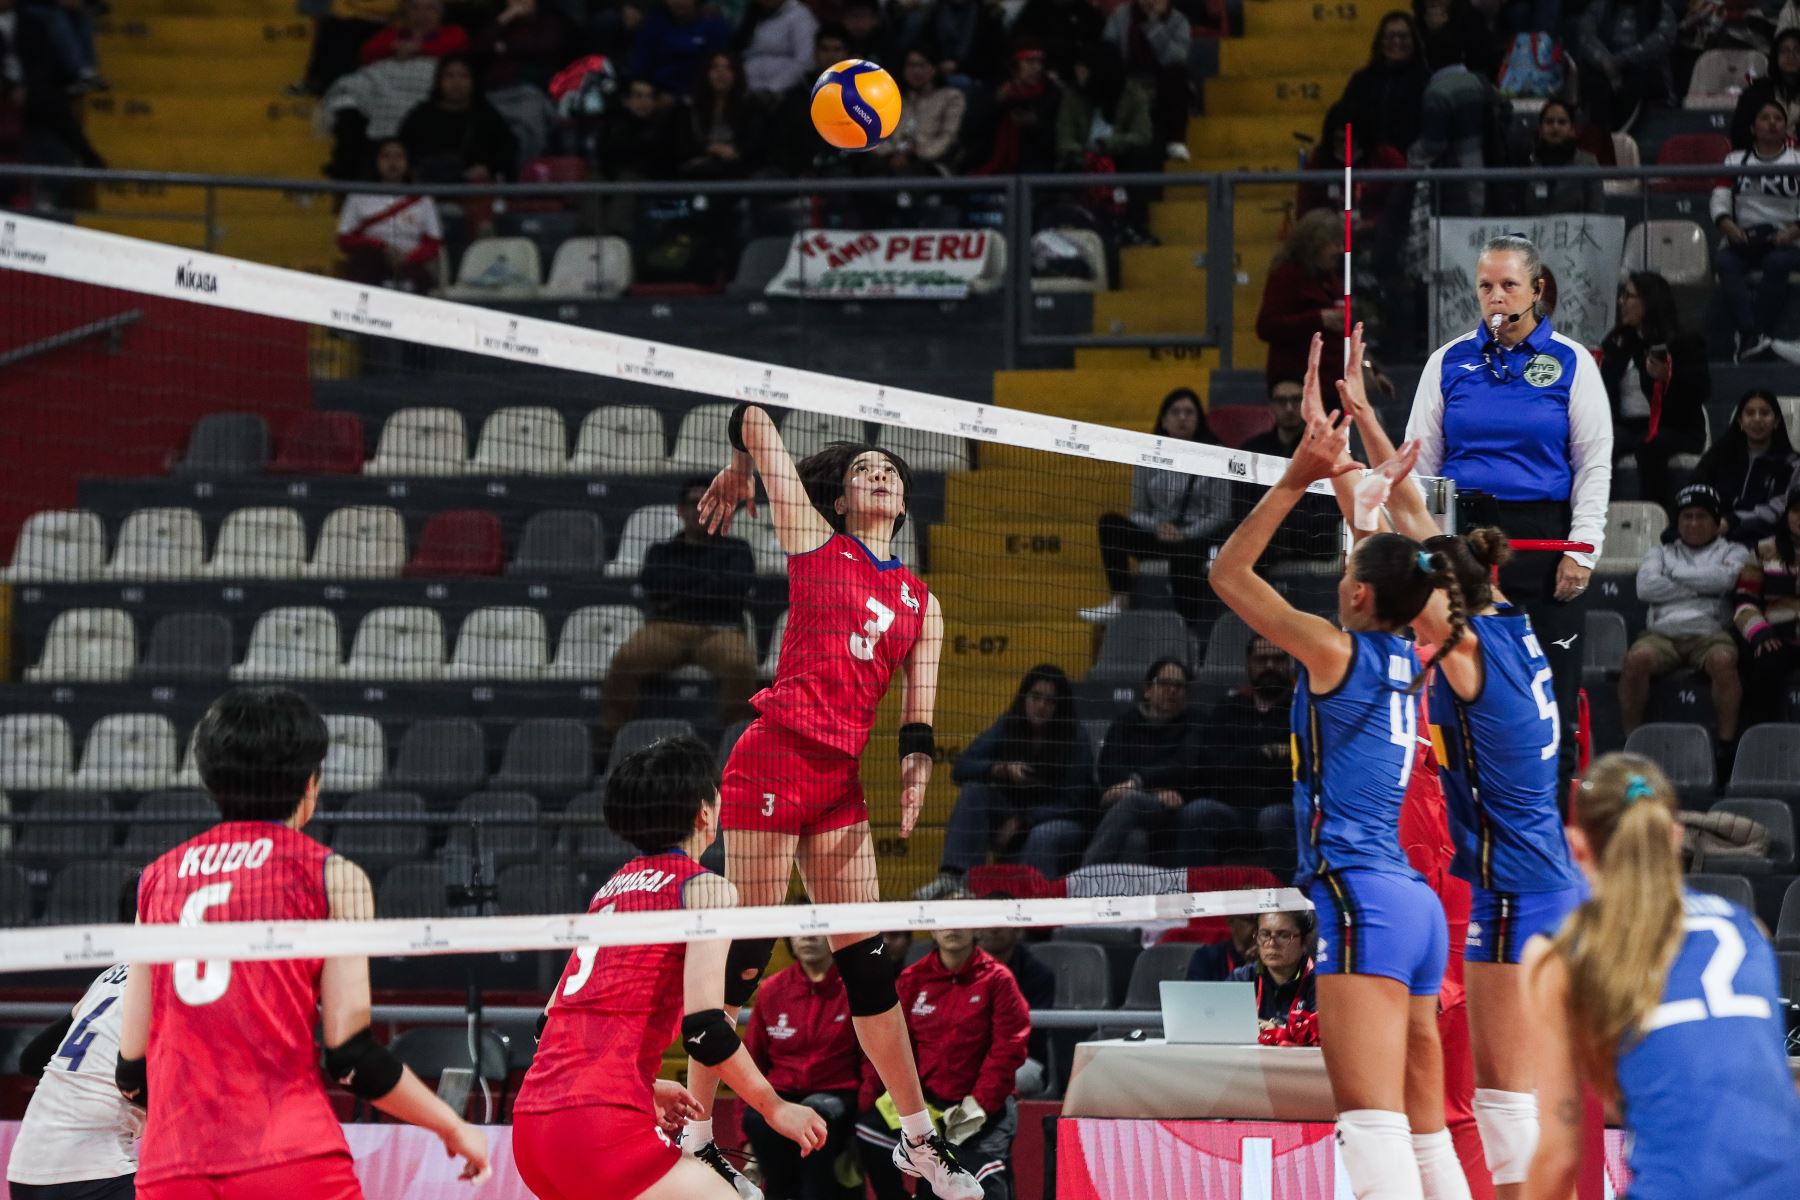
(712,1156)
(1177,152)
(933,1161)
(1100,614)
(1786,349)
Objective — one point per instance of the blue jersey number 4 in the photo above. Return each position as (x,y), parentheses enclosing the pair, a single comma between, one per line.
(75,1046)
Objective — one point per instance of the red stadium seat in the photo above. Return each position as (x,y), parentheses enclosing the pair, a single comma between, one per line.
(1235,424)
(463,541)
(1684,149)
(321,443)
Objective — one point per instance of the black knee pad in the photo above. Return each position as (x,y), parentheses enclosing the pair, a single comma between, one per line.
(745,963)
(868,973)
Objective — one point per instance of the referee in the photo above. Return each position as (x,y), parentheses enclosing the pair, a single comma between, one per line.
(1517,412)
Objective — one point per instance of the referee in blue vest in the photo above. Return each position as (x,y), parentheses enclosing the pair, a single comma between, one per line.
(1517,412)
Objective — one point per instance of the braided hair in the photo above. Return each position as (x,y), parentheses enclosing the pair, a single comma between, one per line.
(1403,574)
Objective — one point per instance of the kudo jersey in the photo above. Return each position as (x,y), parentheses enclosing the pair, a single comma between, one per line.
(77,1127)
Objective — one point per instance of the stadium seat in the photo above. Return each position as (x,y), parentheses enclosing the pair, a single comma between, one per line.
(187,646)
(188,775)
(804,432)
(635,735)
(15,896)
(620,440)
(1690,149)
(588,268)
(528,889)
(92,645)
(88,893)
(1153,966)
(1081,973)
(128,752)
(159,543)
(1676,250)
(500,643)
(1092,251)
(760,261)
(1625,154)
(356,758)
(551,756)
(701,444)
(444,754)
(925,452)
(590,636)
(320,443)
(1134,640)
(510,828)
(1235,424)
(1787,924)
(84,828)
(1222,666)
(259,543)
(560,543)
(773,658)
(145,838)
(421,441)
(521,441)
(399,642)
(226,444)
(1685,753)
(993,267)
(414,891)
(498,269)
(360,542)
(1603,657)
(432,1049)
(588,841)
(36,752)
(1774,815)
(1720,77)
(1633,529)
(648,525)
(1767,763)
(58,546)
(1790,413)
(6,834)
(765,543)
(292,642)
(461,541)
(1734,888)
(390,836)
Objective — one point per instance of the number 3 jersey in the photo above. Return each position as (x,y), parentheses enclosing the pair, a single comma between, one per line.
(235,1077)
(1498,754)
(616,1008)
(77,1127)
(852,620)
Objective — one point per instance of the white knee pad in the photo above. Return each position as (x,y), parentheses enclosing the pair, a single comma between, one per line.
(1509,1132)
(1440,1170)
(1377,1151)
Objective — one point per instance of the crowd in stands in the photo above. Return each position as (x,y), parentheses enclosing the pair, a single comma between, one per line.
(47,62)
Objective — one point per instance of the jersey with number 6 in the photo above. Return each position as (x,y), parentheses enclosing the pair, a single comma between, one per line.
(1706,1092)
(616,1008)
(1498,753)
(852,619)
(235,1080)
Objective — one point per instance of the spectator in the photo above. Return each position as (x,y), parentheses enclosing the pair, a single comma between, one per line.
(1174,516)
(528,43)
(1103,121)
(1453,131)
(1311,530)
(338,38)
(1687,583)
(70,26)
(456,136)
(726,124)
(928,139)
(776,42)
(970,1029)
(1215,962)
(1760,220)
(1451,32)
(1152,40)
(1026,784)
(1656,381)
(420,32)
(808,155)
(1781,85)
(1555,147)
(964,37)
(1152,766)
(1037,984)
(1305,295)
(1286,423)
(1029,108)
(1250,767)
(865,31)
(1623,47)
(388,240)
(1751,465)
(1373,198)
(1283,970)
(1061,29)
(36,84)
(1384,97)
(675,41)
(800,1037)
(1767,604)
(642,137)
(696,586)
(897,944)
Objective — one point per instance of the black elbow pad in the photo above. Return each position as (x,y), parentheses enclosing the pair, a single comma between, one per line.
(363,1065)
(132,1075)
(709,1037)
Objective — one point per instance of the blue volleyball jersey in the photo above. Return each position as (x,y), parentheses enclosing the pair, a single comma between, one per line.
(1506,413)
(1707,1097)
(1498,754)
(1354,748)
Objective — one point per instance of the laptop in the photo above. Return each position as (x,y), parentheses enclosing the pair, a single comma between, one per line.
(1209,1014)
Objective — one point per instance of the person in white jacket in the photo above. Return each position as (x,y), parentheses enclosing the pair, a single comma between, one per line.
(1758,218)
(1687,583)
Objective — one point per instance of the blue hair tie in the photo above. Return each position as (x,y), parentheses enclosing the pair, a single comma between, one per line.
(1636,788)
(1425,561)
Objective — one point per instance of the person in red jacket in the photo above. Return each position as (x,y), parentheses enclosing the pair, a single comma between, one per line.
(420,32)
(969,1026)
(1304,295)
(801,1038)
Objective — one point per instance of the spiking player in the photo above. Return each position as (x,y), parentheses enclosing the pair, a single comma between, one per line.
(590,1118)
(236,1106)
(792,790)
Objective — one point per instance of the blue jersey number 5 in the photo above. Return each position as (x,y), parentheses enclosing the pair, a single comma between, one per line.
(75,1046)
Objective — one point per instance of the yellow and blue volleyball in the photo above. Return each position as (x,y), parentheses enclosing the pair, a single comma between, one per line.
(855,105)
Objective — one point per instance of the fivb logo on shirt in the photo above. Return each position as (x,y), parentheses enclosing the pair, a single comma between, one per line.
(907,598)
(1543,370)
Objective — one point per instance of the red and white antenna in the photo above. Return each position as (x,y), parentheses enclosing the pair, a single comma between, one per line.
(1349,205)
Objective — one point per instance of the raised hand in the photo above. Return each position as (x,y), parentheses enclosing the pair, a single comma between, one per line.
(1350,388)
(1324,450)
(729,488)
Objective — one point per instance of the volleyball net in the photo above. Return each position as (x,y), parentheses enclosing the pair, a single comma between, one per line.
(465,533)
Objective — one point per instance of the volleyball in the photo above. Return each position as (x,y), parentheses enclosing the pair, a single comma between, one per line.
(855,105)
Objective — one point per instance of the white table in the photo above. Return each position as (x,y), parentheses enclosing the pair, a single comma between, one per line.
(1152,1079)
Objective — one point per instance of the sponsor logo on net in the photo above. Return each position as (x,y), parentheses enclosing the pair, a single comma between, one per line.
(189,279)
(879,411)
(511,343)
(1155,457)
(766,390)
(1073,444)
(360,317)
(12,252)
(648,369)
(979,426)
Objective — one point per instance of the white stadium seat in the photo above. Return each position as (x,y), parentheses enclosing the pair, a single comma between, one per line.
(361,542)
(500,643)
(498,268)
(292,642)
(356,757)
(525,440)
(36,752)
(648,525)
(620,440)
(589,639)
(127,751)
(259,543)
(421,441)
(61,545)
(159,543)
(88,644)
(399,642)
(589,267)
(701,444)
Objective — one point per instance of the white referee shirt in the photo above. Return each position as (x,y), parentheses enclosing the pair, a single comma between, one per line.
(77,1127)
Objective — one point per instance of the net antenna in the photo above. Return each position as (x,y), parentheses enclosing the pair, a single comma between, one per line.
(1349,211)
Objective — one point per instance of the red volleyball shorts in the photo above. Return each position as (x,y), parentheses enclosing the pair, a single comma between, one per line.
(777,781)
(591,1152)
(327,1177)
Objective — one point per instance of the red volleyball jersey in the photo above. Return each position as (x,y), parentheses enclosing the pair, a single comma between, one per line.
(852,620)
(616,1008)
(235,1079)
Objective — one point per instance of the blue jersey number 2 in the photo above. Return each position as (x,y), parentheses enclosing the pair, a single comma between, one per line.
(75,1046)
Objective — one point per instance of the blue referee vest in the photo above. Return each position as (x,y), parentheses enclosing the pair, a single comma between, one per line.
(1506,414)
